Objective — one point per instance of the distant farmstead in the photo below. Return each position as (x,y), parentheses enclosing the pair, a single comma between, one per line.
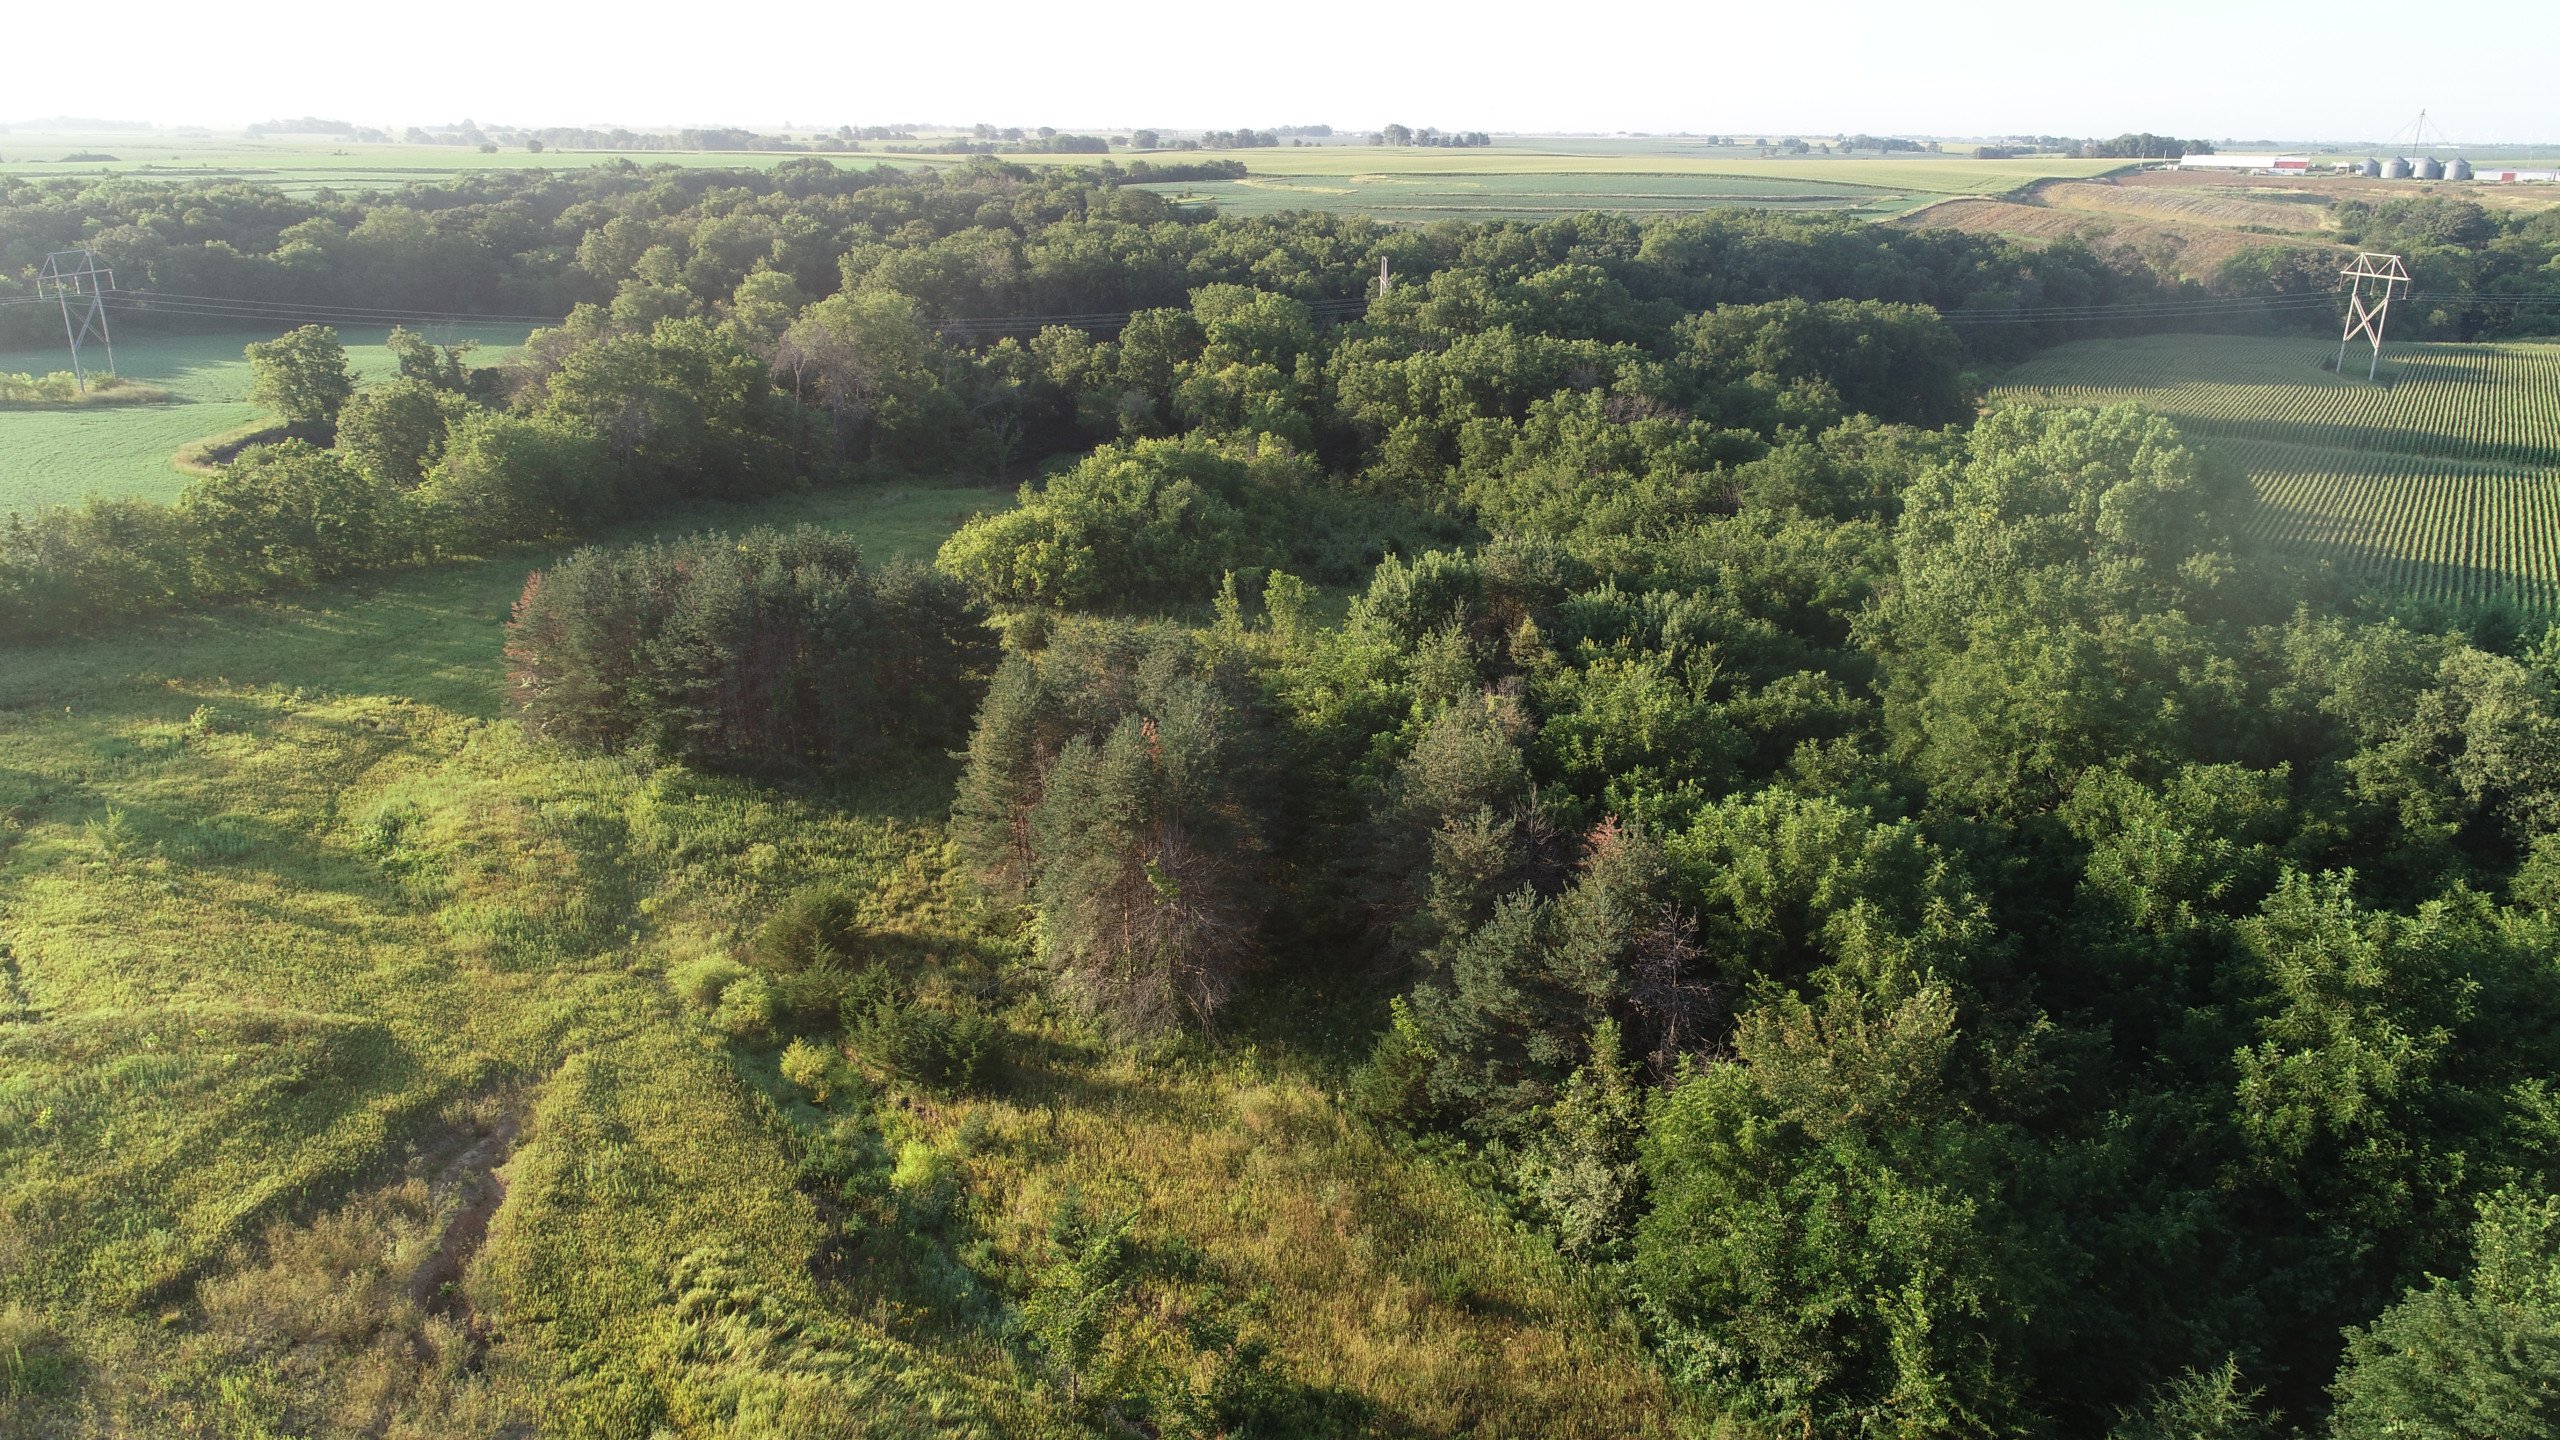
(2399,167)
(2273,164)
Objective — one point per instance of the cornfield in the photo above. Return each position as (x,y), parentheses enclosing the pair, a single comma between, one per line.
(2441,530)
(2442,482)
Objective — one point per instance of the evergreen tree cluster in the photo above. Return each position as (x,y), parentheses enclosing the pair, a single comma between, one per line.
(771,648)
(1115,788)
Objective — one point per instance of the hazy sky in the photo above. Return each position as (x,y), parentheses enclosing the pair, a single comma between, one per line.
(2349,69)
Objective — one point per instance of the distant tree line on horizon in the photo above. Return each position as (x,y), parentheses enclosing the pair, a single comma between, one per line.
(1429,136)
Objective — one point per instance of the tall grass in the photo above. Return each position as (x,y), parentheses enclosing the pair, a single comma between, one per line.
(62,389)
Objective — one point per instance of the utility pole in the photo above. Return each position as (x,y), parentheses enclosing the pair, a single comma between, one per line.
(1386,282)
(70,275)
(2368,319)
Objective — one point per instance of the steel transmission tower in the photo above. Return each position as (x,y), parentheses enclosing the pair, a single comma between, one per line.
(2366,317)
(73,275)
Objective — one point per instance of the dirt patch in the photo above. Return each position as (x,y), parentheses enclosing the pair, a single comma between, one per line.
(471,1178)
(203,457)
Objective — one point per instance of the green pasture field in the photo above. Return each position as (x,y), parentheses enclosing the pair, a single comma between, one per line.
(300,936)
(1414,197)
(2442,482)
(59,457)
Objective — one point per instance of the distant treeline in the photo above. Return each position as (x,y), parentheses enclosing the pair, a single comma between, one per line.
(1427,135)
(2129,146)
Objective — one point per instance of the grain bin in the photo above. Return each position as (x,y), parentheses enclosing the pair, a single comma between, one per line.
(2460,169)
(2395,169)
(2370,169)
(2431,168)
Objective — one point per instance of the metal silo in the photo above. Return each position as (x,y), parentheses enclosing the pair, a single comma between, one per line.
(2431,168)
(2370,169)
(2460,169)
(2395,169)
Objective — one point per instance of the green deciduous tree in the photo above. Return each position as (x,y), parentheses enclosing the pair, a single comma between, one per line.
(2473,1359)
(395,430)
(301,375)
(285,516)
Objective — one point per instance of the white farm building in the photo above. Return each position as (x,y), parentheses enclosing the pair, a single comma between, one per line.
(2278,164)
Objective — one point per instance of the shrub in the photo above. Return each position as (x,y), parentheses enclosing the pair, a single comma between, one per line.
(748,1007)
(702,982)
(508,476)
(72,568)
(820,924)
(1147,520)
(811,950)
(952,1049)
(810,1066)
(287,516)
(1393,1088)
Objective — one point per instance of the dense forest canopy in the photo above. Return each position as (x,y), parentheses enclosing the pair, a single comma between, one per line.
(1955,937)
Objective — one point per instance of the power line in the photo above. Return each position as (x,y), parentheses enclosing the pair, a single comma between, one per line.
(179,303)
(74,274)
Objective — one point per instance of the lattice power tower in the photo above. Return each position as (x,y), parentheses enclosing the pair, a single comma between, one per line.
(74,278)
(2367,316)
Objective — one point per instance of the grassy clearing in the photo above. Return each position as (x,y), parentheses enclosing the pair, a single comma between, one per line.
(58,457)
(2442,483)
(308,956)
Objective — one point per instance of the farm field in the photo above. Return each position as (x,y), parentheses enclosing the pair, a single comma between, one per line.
(302,167)
(1937,175)
(59,457)
(2442,483)
(1414,197)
